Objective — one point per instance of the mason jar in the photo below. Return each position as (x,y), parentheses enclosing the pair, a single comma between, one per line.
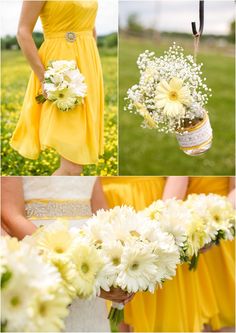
(196,138)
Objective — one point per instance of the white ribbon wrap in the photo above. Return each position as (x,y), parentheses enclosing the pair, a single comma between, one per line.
(119,306)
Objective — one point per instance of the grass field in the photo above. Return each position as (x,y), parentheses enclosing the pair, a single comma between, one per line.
(15,74)
(147,152)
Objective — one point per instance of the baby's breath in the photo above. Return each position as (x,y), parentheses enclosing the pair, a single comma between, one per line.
(172,64)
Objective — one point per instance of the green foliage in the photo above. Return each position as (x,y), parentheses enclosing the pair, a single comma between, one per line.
(15,74)
(133,23)
(10,42)
(107,41)
(6,276)
(147,152)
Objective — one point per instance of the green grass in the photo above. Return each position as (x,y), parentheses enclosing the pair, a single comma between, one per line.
(147,152)
(15,74)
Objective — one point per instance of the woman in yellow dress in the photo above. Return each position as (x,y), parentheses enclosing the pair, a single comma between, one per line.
(191,299)
(69,34)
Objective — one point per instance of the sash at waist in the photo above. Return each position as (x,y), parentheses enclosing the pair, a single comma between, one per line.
(70,36)
(46,209)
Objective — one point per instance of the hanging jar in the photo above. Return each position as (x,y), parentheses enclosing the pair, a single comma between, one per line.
(196,136)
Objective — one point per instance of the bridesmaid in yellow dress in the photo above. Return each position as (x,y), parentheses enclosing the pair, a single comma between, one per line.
(190,300)
(69,34)
(218,261)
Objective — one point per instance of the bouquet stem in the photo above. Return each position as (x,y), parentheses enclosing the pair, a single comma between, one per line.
(193,262)
(40,99)
(116,314)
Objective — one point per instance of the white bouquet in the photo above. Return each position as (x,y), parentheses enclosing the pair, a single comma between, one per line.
(33,296)
(217,213)
(193,222)
(171,96)
(138,255)
(76,259)
(64,85)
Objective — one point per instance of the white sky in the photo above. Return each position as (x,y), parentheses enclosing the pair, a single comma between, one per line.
(168,15)
(107,19)
(177,15)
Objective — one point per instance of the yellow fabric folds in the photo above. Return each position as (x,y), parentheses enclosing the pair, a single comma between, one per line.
(76,135)
(190,299)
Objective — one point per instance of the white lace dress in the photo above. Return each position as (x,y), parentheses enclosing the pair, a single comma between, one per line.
(48,198)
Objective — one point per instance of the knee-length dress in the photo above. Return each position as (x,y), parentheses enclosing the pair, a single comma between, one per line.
(76,135)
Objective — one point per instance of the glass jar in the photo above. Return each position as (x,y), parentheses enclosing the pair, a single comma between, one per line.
(196,138)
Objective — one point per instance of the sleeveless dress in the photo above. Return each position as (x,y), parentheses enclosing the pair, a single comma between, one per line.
(77,135)
(218,264)
(48,198)
(192,298)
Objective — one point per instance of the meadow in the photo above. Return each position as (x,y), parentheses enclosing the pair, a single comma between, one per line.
(147,152)
(15,74)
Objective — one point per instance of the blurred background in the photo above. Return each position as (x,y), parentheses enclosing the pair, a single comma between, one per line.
(15,74)
(154,25)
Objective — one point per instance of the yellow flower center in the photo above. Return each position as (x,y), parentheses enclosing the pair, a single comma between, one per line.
(85,268)
(173,95)
(42,309)
(134,266)
(59,250)
(134,233)
(15,301)
(217,218)
(116,261)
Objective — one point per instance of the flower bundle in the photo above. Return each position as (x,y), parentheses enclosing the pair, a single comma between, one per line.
(138,255)
(171,93)
(76,259)
(64,85)
(33,297)
(198,222)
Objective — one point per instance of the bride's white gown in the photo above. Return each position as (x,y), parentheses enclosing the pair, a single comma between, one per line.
(48,198)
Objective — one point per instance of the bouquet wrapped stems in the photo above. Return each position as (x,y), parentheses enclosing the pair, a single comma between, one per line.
(116,314)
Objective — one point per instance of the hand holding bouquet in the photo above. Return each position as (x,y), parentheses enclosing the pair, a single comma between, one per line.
(138,255)
(64,85)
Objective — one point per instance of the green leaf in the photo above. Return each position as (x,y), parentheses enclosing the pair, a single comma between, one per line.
(5,278)
(193,262)
(40,99)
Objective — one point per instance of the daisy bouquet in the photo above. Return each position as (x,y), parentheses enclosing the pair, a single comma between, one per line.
(76,259)
(192,224)
(217,213)
(171,93)
(138,255)
(64,85)
(33,296)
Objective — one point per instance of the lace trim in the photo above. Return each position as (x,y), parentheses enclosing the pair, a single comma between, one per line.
(52,209)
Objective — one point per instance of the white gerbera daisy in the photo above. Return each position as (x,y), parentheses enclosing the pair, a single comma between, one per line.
(172,97)
(138,269)
(57,245)
(47,312)
(88,263)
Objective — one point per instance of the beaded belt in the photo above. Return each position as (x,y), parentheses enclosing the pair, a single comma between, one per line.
(45,209)
(70,36)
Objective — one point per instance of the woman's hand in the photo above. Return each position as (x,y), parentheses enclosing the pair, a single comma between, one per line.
(116,295)
(43,91)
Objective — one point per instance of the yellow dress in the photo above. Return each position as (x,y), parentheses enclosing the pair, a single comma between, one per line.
(217,264)
(77,135)
(189,300)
